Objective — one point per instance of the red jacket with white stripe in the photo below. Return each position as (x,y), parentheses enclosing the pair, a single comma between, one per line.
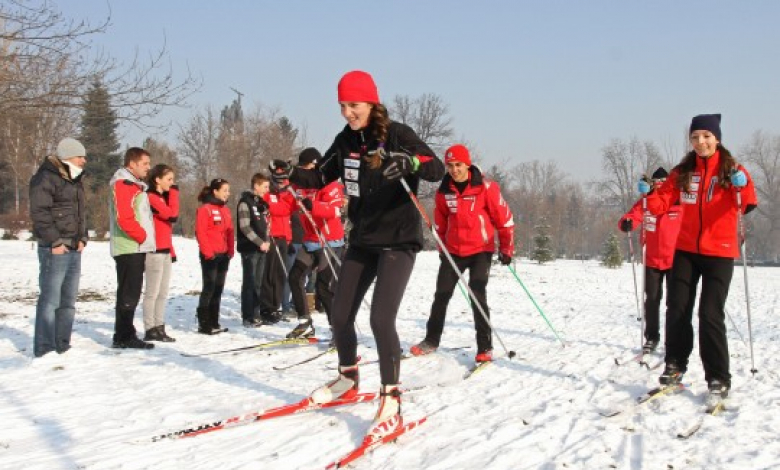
(661,232)
(709,211)
(214,229)
(467,222)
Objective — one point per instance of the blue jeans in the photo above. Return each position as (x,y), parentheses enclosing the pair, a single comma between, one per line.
(59,284)
(252,265)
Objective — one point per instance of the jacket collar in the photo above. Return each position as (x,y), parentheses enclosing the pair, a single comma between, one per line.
(475,179)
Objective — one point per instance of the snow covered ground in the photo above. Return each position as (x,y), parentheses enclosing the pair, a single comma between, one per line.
(88,408)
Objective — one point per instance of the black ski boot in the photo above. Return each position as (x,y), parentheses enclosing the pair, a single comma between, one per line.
(650,346)
(672,374)
(305,329)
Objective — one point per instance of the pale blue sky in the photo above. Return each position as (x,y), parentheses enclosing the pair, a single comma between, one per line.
(524,80)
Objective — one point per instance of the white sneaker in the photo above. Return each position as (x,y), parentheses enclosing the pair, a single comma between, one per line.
(345,386)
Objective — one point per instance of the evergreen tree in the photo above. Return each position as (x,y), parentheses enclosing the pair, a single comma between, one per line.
(98,134)
(542,244)
(611,256)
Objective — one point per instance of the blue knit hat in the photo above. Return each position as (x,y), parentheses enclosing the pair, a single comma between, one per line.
(706,122)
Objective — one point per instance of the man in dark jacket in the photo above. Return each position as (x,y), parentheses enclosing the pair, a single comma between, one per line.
(57,211)
(253,244)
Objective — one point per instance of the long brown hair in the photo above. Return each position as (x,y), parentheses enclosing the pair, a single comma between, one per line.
(216,185)
(157,171)
(688,164)
(381,120)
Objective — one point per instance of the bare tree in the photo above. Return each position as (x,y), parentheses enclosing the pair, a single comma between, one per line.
(624,163)
(197,148)
(428,115)
(762,155)
(47,62)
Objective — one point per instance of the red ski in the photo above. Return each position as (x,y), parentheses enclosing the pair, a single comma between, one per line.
(302,406)
(367,447)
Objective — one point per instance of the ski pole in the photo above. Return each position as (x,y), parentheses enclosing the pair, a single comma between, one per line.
(633,271)
(644,278)
(314,225)
(421,210)
(539,309)
(741,227)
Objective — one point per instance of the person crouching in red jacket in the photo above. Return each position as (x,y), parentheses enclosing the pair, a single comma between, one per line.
(706,183)
(214,231)
(660,239)
(469,211)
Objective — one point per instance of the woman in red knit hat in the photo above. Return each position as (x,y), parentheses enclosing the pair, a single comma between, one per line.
(371,154)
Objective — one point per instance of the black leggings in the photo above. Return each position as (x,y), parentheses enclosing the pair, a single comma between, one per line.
(214,272)
(391,269)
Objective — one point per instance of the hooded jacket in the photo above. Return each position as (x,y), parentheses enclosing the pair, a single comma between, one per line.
(383,216)
(252,219)
(57,205)
(132,227)
(709,211)
(467,221)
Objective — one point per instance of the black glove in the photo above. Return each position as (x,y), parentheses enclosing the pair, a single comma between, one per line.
(626,225)
(401,164)
(306,202)
(504,259)
(291,249)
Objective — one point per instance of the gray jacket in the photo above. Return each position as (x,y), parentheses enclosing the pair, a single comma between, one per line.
(57,205)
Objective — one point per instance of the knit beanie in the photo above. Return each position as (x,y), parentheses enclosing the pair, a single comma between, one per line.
(70,148)
(660,173)
(706,122)
(308,155)
(457,153)
(358,86)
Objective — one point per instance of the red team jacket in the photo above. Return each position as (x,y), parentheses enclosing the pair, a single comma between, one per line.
(466,222)
(165,208)
(214,230)
(280,206)
(661,232)
(709,211)
(327,204)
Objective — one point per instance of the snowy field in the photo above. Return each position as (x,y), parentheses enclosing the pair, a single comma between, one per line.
(92,407)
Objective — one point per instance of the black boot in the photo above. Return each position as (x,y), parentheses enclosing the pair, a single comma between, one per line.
(153,334)
(164,335)
(204,323)
(216,328)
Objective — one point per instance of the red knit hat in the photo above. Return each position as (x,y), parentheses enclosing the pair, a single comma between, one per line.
(358,86)
(457,153)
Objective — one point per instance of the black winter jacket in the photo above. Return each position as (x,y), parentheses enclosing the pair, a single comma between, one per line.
(257,213)
(383,216)
(57,205)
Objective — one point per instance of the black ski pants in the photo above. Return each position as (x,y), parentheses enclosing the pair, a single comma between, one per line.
(129,282)
(391,269)
(306,263)
(214,272)
(274,277)
(478,266)
(715,273)
(654,292)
